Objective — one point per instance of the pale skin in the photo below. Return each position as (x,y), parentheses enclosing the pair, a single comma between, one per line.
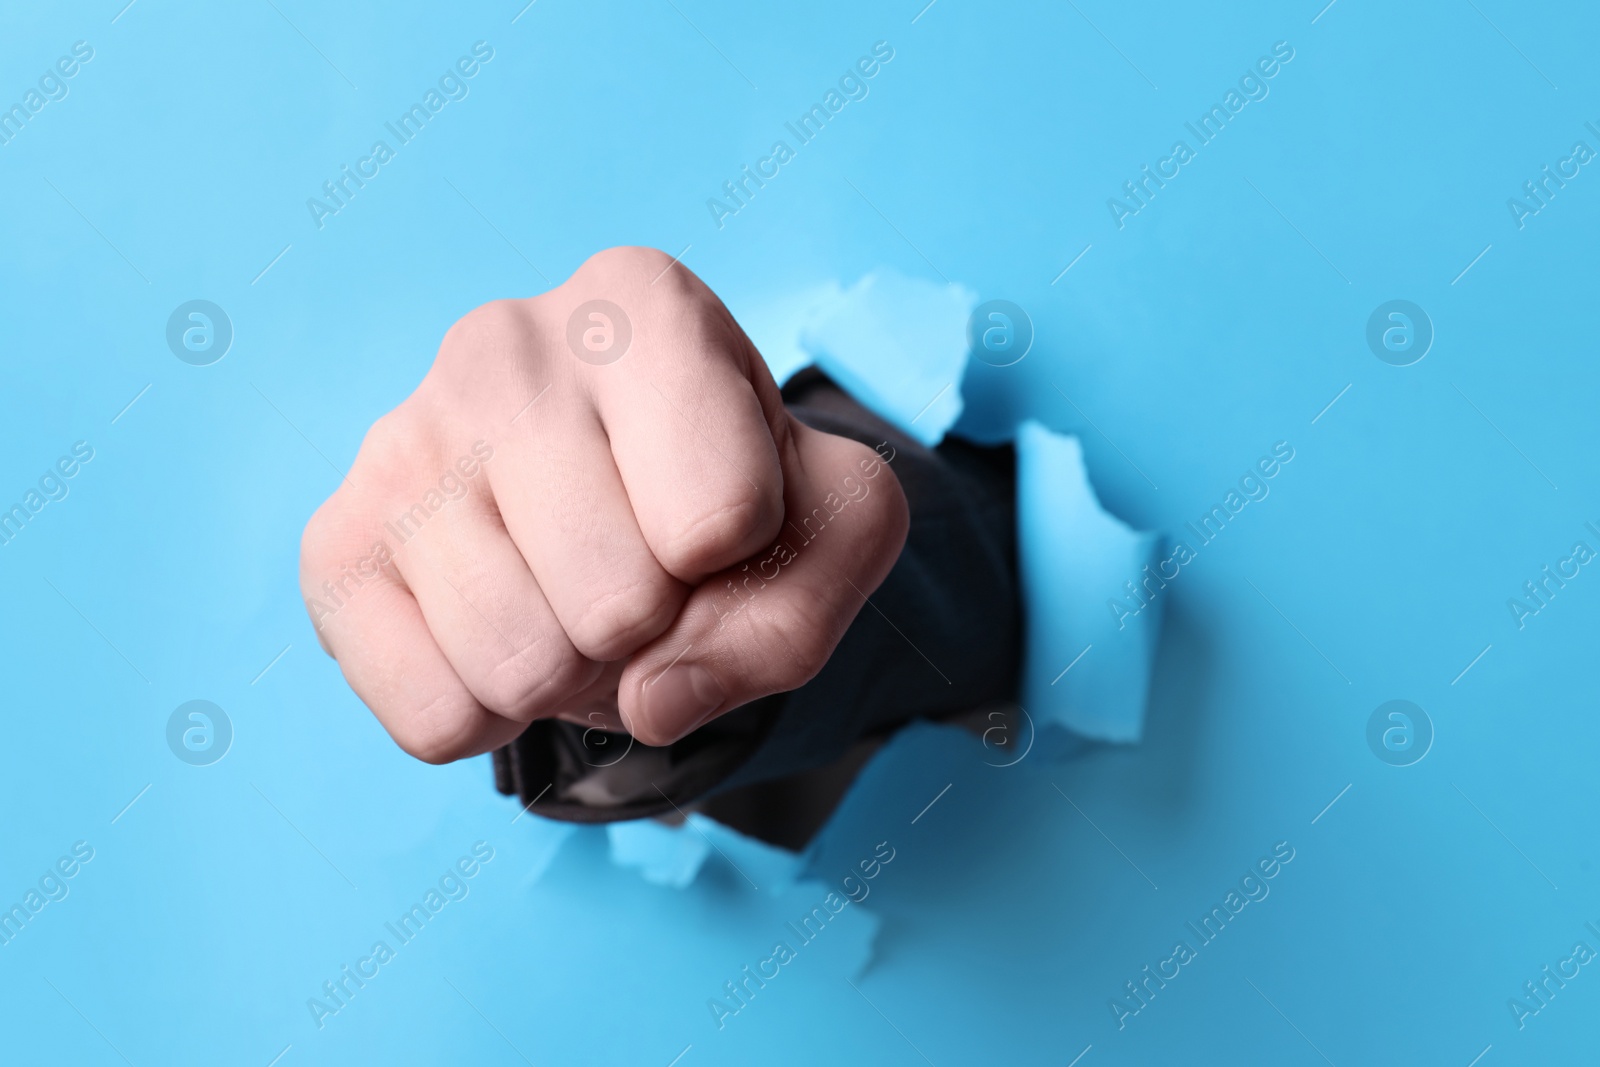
(583,572)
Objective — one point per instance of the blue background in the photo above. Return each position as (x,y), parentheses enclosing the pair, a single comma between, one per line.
(1222,318)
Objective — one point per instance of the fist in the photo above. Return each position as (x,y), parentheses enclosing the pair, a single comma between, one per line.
(594,507)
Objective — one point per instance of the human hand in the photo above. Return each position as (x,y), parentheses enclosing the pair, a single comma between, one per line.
(596,512)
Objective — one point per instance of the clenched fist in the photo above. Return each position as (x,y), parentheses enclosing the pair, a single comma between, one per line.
(594,507)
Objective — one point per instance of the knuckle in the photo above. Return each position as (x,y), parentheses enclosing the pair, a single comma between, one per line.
(489,350)
(890,517)
(884,496)
(390,433)
(485,324)
(799,643)
(320,538)
(639,277)
(400,456)
(880,500)
(624,263)
(524,681)
(507,686)
(332,539)
(386,459)
(430,750)
(618,623)
(438,733)
(894,510)
(719,537)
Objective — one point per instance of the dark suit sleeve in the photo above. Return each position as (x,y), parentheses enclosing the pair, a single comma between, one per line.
(941,636)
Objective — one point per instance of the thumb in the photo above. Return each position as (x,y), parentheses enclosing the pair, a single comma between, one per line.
(769,624)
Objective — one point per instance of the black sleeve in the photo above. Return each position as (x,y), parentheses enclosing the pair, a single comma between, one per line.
(941,636)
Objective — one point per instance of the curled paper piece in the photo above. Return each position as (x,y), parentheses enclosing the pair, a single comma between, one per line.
(1087,663)
(673,855)
(899,346)
(547,836)
(663,855)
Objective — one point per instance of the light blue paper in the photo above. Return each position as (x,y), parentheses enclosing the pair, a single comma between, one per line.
(1390,159)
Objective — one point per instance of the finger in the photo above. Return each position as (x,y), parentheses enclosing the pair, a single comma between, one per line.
(596,706)
(391,660)
(566,510)
(488,615)
(769,625)
(691,440)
